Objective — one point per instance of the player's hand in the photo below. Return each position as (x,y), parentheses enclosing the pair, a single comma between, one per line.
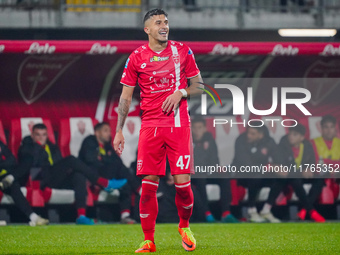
(118,143)
(172,101)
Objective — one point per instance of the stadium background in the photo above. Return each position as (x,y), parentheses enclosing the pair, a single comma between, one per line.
(71,83)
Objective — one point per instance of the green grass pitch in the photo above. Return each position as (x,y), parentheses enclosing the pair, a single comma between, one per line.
(285,238)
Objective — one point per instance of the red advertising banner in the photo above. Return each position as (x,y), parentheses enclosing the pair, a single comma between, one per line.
(217,48)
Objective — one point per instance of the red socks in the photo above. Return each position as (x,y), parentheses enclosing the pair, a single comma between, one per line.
(148,208)
(184,202)
(81,211)
(103,182)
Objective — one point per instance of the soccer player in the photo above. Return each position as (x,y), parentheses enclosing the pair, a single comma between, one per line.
(161,68)
(206,154)
(327,151)
(296,150)
(10,186)
(96,151)
(54,171)
(255,148)
(327,146)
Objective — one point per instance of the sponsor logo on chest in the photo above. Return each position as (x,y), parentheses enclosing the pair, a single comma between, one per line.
(158,59)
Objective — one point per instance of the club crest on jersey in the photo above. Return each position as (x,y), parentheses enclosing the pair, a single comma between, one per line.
(157,59)
(139,164)
(175,58)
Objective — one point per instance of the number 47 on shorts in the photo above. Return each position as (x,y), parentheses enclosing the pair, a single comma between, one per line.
(183,159)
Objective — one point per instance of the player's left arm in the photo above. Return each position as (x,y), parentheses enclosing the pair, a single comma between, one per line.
(195,83)
(172,101)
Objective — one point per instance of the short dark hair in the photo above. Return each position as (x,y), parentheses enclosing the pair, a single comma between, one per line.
(100,125)
(299,128)
(39,126)
(153,12)
(258,125)
(198,120)
(328,118)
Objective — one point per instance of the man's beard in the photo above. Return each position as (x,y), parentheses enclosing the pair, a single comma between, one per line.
(162,41)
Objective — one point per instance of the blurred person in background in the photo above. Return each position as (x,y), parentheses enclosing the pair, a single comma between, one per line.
(298,151)
(206,154)
(41,158)
(327,152)
(11,187)
(327,146)
(97,152)
(255,148)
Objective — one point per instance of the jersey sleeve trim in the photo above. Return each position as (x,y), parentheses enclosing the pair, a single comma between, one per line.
(194,75)
(128,85)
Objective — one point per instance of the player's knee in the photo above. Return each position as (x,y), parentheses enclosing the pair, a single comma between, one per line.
(154,178)
(181,178)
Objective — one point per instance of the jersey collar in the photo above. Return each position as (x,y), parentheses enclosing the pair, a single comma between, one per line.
(167,47)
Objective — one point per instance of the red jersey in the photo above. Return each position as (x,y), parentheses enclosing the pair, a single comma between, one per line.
(160,75)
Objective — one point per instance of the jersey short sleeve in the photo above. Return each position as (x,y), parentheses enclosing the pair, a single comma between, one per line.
(191,69)
(130,75)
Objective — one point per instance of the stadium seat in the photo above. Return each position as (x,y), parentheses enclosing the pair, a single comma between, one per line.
(327,195)
(213,192)
(22,127)
(131,136)
(237,192)
(64,196)
(72,133)
(313,127)
(104,5)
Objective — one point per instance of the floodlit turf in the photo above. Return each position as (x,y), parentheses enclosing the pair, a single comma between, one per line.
(244,238)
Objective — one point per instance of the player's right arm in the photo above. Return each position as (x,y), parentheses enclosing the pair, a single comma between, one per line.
(129,80)
(123,110)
